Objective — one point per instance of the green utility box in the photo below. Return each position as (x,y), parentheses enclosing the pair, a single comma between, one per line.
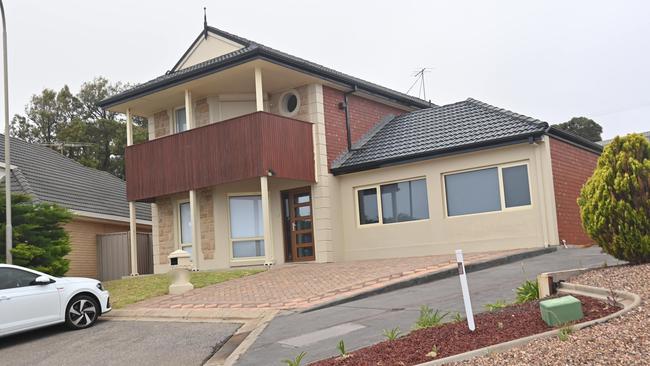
(561,310)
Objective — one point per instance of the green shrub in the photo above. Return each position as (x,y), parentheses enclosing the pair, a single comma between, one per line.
(528,291)
(296,361)
(500,304)
(615,201)
(429,318)
(392,334)
(39,240)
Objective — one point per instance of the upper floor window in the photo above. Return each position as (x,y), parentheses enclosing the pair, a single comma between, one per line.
(487,190)
(399,202)
(289,103)
(180,119)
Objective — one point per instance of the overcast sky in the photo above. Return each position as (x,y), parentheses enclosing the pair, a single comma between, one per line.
(551,60)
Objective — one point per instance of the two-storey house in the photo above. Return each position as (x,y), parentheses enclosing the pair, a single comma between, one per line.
(257,157)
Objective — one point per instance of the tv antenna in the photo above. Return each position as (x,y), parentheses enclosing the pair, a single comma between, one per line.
(62,145)
(420,82)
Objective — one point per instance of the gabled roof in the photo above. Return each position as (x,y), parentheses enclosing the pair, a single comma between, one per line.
(251,51)
(51,177)
(442,130)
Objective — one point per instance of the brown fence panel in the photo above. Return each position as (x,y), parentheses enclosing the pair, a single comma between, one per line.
(145,253)
(114,255)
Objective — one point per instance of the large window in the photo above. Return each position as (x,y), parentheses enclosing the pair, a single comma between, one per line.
(246,226)
(487,190)
(399,202)
(181,120)
(185,225)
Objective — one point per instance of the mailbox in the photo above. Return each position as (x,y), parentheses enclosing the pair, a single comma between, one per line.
(181,265)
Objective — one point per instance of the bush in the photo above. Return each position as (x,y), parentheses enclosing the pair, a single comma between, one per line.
(39,240)
(615,201)
(528,291)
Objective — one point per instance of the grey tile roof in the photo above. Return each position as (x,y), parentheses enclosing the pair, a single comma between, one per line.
(439,129)
(51,177)
(250,51)
(605,142)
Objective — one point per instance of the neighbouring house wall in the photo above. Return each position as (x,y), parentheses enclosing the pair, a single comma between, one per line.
(524,227)
(364,114)
(83,240)
(572,166)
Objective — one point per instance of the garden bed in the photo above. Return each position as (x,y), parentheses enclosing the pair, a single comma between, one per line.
(512,322)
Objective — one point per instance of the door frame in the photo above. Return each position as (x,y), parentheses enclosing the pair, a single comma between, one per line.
(289,234)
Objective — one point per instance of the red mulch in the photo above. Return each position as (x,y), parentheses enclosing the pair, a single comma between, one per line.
(512,322)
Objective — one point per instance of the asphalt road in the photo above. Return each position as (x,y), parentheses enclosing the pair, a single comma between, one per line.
(360,323)
(117,342)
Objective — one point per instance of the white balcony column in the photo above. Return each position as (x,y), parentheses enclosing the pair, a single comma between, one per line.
(195,224)
(266,219)
(133,229)
(189,112)
(259,92)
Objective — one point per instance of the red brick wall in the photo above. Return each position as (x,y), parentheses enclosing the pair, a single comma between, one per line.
(364,114)
(572,166)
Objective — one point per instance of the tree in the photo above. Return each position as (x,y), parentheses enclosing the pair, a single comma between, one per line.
(77,127)
(40,241)
(615,201)
(584,127)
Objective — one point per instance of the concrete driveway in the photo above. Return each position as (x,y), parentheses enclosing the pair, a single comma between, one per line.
(360,323)
(117,342)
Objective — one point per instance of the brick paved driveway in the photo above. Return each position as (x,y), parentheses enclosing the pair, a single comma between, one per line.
(295,286)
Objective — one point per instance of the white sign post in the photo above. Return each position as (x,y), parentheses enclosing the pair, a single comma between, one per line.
(465,288)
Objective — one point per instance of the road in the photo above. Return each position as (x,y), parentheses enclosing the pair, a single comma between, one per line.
(117,342)
(360,323)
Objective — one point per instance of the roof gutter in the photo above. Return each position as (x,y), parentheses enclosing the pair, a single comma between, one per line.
(574,139)
(511,140)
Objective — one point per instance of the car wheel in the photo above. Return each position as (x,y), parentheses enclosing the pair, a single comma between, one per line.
(82,312)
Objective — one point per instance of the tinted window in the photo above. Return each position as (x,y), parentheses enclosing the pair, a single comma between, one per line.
(515,186)
(368,210)
(12,278)
(404,201)
(184,217)
(473,192)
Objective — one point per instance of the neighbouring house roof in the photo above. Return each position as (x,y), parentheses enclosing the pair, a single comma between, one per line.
(49,176)
(441,130)
(252,50)
(605,142)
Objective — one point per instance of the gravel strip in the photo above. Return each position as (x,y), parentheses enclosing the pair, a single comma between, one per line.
(621,341)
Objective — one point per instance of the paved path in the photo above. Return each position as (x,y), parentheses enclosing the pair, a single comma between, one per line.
(113,342)
(295,286)
(360,323)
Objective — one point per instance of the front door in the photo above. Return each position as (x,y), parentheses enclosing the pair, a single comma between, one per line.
(298,228)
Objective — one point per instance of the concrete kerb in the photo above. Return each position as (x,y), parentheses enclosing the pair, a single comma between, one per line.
(253,322)
(431,277)
(627,299)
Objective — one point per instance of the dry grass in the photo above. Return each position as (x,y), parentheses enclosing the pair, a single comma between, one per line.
(131,290)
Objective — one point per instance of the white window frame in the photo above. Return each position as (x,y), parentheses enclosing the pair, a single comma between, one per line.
(179,229)
(187,123)
(379,206)
(281,107)
(231,241)
(502,196)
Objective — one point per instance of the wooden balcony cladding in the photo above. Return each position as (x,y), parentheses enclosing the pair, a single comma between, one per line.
(228,151)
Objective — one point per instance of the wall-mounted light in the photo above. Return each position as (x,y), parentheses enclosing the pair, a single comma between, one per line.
(270,172)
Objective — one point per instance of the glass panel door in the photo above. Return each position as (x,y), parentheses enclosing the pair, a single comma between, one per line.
(298,229)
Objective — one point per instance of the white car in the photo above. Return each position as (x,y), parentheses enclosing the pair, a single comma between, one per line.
(30,299)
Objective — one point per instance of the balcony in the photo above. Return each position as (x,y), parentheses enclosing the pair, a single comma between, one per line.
(233,150)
